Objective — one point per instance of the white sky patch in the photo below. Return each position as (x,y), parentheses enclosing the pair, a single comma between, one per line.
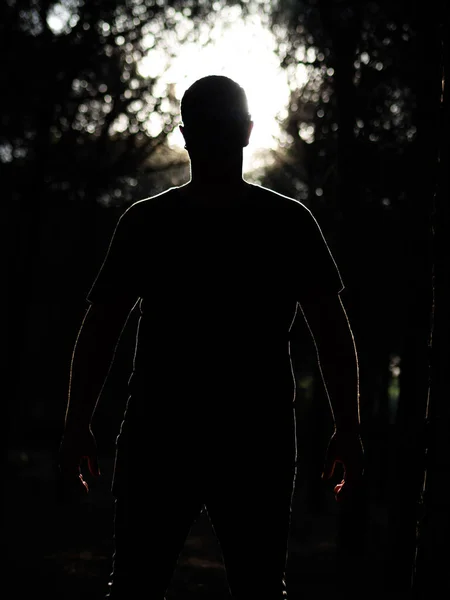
(242,49)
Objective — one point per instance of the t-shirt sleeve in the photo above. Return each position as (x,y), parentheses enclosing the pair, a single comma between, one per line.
(318,272)
(117,279)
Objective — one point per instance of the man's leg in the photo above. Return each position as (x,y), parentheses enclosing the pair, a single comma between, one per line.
(250,509)
(147,545)
(154,512)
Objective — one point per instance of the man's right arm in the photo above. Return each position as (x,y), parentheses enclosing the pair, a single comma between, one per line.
(113,295)
(111,298)
(91,359)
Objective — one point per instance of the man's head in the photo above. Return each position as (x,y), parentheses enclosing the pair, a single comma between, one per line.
(215,116)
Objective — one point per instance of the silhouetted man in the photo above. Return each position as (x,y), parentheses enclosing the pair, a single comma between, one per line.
(218,267)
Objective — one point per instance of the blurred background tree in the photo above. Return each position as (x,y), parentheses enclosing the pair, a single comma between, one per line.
(365,129)
(83,128)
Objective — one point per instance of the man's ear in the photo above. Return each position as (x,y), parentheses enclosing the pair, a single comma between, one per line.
(248,133)
(183,133)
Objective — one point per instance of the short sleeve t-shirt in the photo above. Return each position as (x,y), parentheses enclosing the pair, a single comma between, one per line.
(218,285)
(117,277)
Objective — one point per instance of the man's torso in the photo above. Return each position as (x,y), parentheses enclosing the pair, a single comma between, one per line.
(217,290)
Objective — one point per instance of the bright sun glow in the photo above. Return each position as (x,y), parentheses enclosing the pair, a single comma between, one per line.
(242,49)
(245,52)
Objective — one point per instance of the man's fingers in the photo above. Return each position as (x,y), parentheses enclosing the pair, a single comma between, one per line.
(328,468)
(338,488)
(341,491)
(353,473)
(83,483)
(93,465)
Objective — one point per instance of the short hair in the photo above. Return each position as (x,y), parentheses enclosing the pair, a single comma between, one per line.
(215,105)
(214,97)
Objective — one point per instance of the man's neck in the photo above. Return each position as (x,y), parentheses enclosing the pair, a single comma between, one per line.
(223,174)
(222,183)
(219,192)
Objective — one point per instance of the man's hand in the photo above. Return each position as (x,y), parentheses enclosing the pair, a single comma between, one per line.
(345,448)
(77,446)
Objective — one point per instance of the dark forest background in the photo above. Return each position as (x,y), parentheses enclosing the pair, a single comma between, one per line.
(363,145)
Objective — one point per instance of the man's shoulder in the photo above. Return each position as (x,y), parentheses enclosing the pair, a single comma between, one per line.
(162,200)
(261,198)
(268,198)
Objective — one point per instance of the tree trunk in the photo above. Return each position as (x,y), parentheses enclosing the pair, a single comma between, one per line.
(344,34)
(432,553)
(410,434)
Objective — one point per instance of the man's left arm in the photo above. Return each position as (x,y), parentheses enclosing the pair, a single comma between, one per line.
(319,296)
(328,323)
